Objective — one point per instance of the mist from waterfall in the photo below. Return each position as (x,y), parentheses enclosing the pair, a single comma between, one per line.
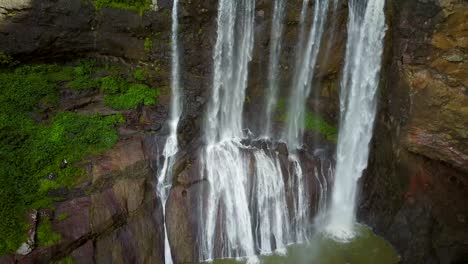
(277,27)
(171,145)
(304,72)
(366,30)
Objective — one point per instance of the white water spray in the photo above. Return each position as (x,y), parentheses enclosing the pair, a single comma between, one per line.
(273,66)
(301,205)
(305,69)
(244,210)
(271,207)
(171,145)
(366,30)
(232,54)
(224,164)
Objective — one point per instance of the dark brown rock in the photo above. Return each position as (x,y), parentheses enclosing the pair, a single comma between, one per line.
(414,188)
(76,222)
(84,254)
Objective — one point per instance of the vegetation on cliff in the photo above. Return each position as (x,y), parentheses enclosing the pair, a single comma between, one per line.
(135,5)
(41,147)
(123,95)
(313,122)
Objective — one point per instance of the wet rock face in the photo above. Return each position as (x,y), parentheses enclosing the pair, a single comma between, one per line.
(114,216)
(414,187)
(190,191)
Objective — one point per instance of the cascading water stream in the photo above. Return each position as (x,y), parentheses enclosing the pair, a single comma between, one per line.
(224,164)
(273,220)
(301,206)
(245,212)
(171,145)
(273,66)
(305,69)
(366,30)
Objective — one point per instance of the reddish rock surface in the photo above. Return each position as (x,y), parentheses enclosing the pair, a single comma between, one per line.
(415,189)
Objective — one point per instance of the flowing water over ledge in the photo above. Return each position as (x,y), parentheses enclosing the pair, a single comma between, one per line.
(365,248)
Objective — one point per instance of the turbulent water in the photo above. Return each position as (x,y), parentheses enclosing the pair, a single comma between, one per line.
(304,72)
(366,248)
(171,146)
(271,207)
(366,30)
(273,66)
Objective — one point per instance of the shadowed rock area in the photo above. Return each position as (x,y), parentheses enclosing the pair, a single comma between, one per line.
(415,189)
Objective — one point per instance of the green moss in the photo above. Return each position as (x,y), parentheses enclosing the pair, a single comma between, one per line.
(121,94)
(82,75)
(140,74)
(6,60)
(66,260)
(134,5)
(315,123)
(148,44)
(63,216)
(29,151)
(135,95)
(312,122)
(113,84)
(157,68)
(166,12)
(45,235)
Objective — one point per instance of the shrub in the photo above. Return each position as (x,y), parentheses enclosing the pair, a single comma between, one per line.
(113,85)
(82,77)
(135,95)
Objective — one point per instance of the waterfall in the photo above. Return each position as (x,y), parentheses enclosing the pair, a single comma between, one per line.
(273,66)
(171,145)
(271,206)
(366,30)
(225,166)
(301,206)
(304,72)
(232,54)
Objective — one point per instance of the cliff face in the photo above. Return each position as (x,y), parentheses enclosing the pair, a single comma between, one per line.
(414,188)
(115,215)
(416,185)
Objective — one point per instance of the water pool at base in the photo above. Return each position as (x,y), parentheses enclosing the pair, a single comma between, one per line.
(365,248)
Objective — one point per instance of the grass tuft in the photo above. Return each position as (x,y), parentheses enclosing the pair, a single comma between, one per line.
(139,6)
